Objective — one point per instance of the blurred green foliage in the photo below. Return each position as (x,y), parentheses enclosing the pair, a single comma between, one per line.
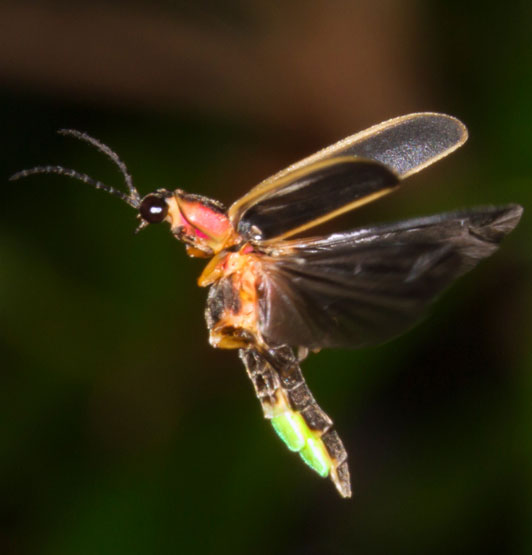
(123,432)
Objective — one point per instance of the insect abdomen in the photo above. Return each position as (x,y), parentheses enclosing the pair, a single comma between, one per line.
(295,415)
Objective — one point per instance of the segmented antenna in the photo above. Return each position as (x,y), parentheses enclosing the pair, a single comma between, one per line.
(133,198)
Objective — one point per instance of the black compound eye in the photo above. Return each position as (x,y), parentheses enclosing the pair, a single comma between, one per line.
(153,209)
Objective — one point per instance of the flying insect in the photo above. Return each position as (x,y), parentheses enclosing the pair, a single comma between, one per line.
(277,291)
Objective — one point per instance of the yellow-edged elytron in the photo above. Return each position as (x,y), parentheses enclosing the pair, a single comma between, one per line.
(276,294)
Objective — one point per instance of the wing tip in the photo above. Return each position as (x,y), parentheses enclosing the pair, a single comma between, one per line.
(450,127)
(504,220)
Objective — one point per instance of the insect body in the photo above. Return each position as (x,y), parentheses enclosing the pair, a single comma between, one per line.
(276,293)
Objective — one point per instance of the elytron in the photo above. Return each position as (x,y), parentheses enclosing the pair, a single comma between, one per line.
(277,293)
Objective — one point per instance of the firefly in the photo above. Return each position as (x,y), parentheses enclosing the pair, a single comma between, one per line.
(278,291)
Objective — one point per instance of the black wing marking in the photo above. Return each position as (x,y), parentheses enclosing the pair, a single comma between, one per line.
(314,195)
(367,286)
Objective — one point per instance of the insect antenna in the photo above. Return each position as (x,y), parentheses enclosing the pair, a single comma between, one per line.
(111,154)
(133,198)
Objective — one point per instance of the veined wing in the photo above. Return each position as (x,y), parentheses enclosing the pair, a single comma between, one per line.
(404,145)
(367,286)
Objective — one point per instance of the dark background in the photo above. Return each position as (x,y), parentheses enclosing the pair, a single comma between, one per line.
(122,431)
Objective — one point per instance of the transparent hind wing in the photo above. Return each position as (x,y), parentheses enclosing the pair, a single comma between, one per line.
(367,286)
